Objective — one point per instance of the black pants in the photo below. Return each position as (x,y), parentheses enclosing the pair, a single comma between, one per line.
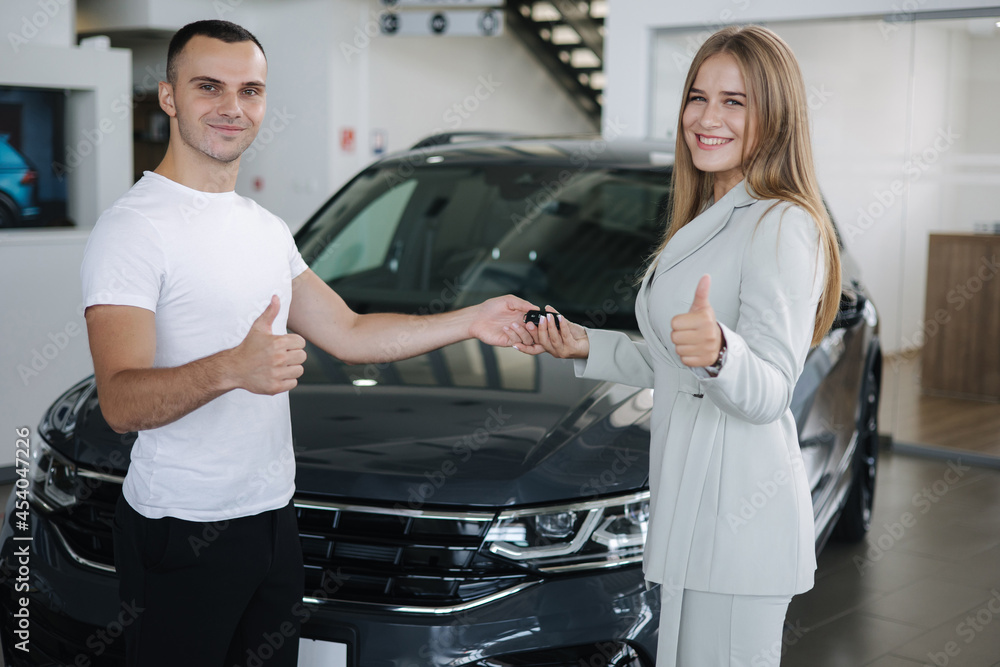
(219,594)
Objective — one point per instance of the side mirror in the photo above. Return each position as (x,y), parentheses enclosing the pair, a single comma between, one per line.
(852,307)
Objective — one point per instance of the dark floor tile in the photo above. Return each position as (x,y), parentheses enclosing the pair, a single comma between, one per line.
(928,603)
(894,661)
(983,570)
(972,636)
(889,571)
(850,641)
(940,538)
(900,594)
(831,596)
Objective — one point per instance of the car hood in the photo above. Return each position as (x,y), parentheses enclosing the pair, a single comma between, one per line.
(468,425)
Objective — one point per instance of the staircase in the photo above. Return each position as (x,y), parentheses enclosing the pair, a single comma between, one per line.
(567,38)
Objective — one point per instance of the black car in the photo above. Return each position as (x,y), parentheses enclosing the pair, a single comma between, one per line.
(471,506)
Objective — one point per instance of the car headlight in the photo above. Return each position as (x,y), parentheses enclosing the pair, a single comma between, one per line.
(52,476)
(60,418)
(579,536)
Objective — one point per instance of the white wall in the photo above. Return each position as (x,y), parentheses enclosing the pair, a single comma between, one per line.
(43,339)
(631,27)
(37,23)
(463,84)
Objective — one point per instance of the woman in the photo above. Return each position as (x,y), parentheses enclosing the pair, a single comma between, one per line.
(746,280)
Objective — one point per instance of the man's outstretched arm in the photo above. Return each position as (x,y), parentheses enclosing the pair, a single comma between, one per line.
(136,396)
(321,317)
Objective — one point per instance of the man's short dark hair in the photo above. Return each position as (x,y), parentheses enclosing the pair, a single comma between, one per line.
(221,30)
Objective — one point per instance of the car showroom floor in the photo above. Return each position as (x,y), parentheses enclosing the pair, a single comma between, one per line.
(924,589)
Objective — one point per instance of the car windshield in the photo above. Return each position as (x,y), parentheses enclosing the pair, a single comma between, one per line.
(438,237)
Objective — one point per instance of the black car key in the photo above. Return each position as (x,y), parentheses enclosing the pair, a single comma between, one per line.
(534,316)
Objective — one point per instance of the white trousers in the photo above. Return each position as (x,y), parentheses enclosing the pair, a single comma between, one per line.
(718,630)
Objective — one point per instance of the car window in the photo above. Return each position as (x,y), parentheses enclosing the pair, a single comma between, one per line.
(364,242)
(437,237)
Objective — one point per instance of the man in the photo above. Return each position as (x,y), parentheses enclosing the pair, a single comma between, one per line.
(206,542)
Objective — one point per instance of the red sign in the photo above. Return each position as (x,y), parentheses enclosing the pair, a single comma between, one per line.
(347,139)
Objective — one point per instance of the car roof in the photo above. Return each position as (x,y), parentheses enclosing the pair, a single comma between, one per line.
(580,152)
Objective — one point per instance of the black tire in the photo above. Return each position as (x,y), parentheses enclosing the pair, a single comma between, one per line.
(856,517)
(9,215)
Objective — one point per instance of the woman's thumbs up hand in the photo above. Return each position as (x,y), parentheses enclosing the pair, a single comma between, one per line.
(696,334)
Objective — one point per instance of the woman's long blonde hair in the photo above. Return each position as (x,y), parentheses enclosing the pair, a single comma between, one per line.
(779,165)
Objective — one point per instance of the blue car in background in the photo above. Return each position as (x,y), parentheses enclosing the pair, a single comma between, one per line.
(18,187)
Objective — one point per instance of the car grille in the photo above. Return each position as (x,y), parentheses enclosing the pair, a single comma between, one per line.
(86,527)
(358,553)
(399,557)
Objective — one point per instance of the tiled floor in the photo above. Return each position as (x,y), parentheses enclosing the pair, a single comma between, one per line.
(922,590)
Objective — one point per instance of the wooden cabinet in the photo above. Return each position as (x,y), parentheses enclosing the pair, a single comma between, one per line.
(151,132)
(961,352)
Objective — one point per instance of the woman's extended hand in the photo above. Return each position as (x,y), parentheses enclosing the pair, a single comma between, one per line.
(567,341)
(696,334)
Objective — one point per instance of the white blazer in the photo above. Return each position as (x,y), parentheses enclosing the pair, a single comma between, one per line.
(730,510)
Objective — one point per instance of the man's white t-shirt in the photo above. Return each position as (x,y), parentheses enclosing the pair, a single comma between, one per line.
(207,264)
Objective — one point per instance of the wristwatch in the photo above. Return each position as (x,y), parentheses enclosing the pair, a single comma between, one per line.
(714,369)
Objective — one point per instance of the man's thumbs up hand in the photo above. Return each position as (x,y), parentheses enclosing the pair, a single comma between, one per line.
(266,319)
(265,363)
(696,334)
